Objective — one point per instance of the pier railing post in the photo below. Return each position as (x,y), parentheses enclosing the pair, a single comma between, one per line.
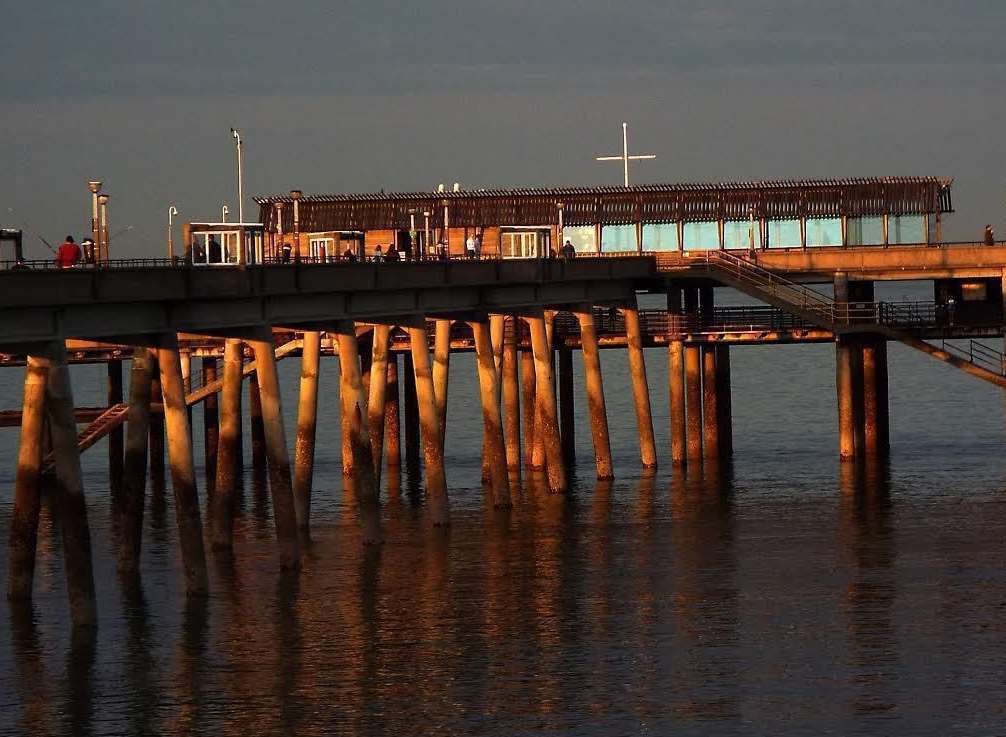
(307,426)
(594,386)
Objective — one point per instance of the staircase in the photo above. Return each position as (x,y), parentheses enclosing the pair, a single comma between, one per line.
(978,360)
(200,393)
(109,420)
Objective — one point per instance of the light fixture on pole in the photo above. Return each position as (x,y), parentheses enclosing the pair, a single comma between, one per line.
(236,134)
(103,228)
(295,195)
(172,211)
(625,158)
(224,212)
(94,187)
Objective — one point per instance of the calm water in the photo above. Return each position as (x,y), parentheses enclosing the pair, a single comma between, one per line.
(783,595)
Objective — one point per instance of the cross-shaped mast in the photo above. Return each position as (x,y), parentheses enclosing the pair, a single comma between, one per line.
(625,158)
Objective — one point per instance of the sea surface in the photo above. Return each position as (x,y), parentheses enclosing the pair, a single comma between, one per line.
(781,594)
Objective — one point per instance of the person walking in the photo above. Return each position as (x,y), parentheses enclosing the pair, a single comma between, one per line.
(68,254)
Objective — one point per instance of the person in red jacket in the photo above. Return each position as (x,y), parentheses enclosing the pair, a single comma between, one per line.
(68,254)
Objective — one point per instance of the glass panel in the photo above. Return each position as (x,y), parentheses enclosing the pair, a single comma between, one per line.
(618,238)
(784,234)
(741,234)
(660,237)
(824,232)
(582,237)
(702,236)
(866,231)
(906,229)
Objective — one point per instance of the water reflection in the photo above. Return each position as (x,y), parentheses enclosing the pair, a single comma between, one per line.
(31,682)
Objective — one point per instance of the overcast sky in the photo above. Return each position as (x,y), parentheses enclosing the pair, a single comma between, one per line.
(360,96)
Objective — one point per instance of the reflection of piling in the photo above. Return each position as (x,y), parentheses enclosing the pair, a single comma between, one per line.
(307,426)
(594,386)
(229,448)
(135,461)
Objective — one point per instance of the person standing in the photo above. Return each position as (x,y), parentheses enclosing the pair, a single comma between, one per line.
(88,245)
(478,245)
(68,254)
(990,238)
(470,247)
(378,256)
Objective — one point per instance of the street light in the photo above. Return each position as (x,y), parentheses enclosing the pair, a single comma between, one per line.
(94,186)
(241,187)
(103,227)
(224,212)
(172,211)
(295,195)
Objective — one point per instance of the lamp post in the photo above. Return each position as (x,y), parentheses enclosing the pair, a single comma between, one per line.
(278,243)
(224,212)
(426,240)
(94,187)
(236,134)
(103,228)
(172,211)
(295,195)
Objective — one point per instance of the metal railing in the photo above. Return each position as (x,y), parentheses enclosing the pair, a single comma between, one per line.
(978,354)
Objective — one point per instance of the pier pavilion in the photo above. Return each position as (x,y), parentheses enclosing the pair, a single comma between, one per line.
(521,310)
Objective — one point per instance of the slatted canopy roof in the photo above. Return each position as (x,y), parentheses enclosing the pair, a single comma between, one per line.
(648,203)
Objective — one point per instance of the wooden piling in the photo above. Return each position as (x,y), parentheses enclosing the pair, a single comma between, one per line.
(538,456)
(229,467)
(392,421)
(307,426)
(133,499)
(567,420)
(70,490)
(529,413)
(676,381)
(693,402)
(280,482)
(710,409)
(441,371)
(511,403)
(548,430)
(377,397)
(594,386)
(871,411)
(858,408)
(640,387)
(23,536)
(353,402)
(211,424)
(156,439)
(492,423)
(256,424)
(844,368)
(411,414)
(115,437)
(429,425)
(183,472)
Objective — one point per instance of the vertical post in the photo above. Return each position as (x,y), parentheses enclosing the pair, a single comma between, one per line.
(183,472)
(548,429)
(538,457)
(844,382)
(871,434)
(411,413)
(229,447)
(676,376)
(883,399)
(528,407)
(594,386)
(135,460)
(710,409)
(280,484)
(156,423)
(433,451)
(858,407)
(70,490)
(377,399)
(256,423)
(640,388)
(23,537)
(307,426)
(392,427)
(724,403)
(115,437)
(441,371)
(354,412)
(693,384)
(492,424)
(211,424)
(511,402)
(566,418)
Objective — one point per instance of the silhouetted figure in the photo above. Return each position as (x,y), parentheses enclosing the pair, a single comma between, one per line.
(68,254)
(286,250)
(990,238)
(349,254)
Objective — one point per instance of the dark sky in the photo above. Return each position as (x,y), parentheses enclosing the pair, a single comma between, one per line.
(359,96)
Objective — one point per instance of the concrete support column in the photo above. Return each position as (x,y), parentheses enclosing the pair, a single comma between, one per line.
(183,472)
(355,421)
(724,401)
(229,448)
(429,422)
(529,413)
(548,430)
(676,376)
(710,409)
(23,536)
(70,491)
(211,424)
(377,398)
(392,423)
(640,388)
(594,385)
(492,423)
(256,423)
(566,417)
(135,461)
(116,436)
(307,426)
(441,371)
(411,413)
(511,403)
(280,482)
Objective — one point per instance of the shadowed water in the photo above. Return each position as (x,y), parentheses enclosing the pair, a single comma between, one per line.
(781,594)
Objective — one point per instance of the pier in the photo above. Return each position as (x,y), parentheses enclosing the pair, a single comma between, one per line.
(806,254)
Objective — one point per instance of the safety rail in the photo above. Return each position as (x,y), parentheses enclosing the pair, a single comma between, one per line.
(978,354)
